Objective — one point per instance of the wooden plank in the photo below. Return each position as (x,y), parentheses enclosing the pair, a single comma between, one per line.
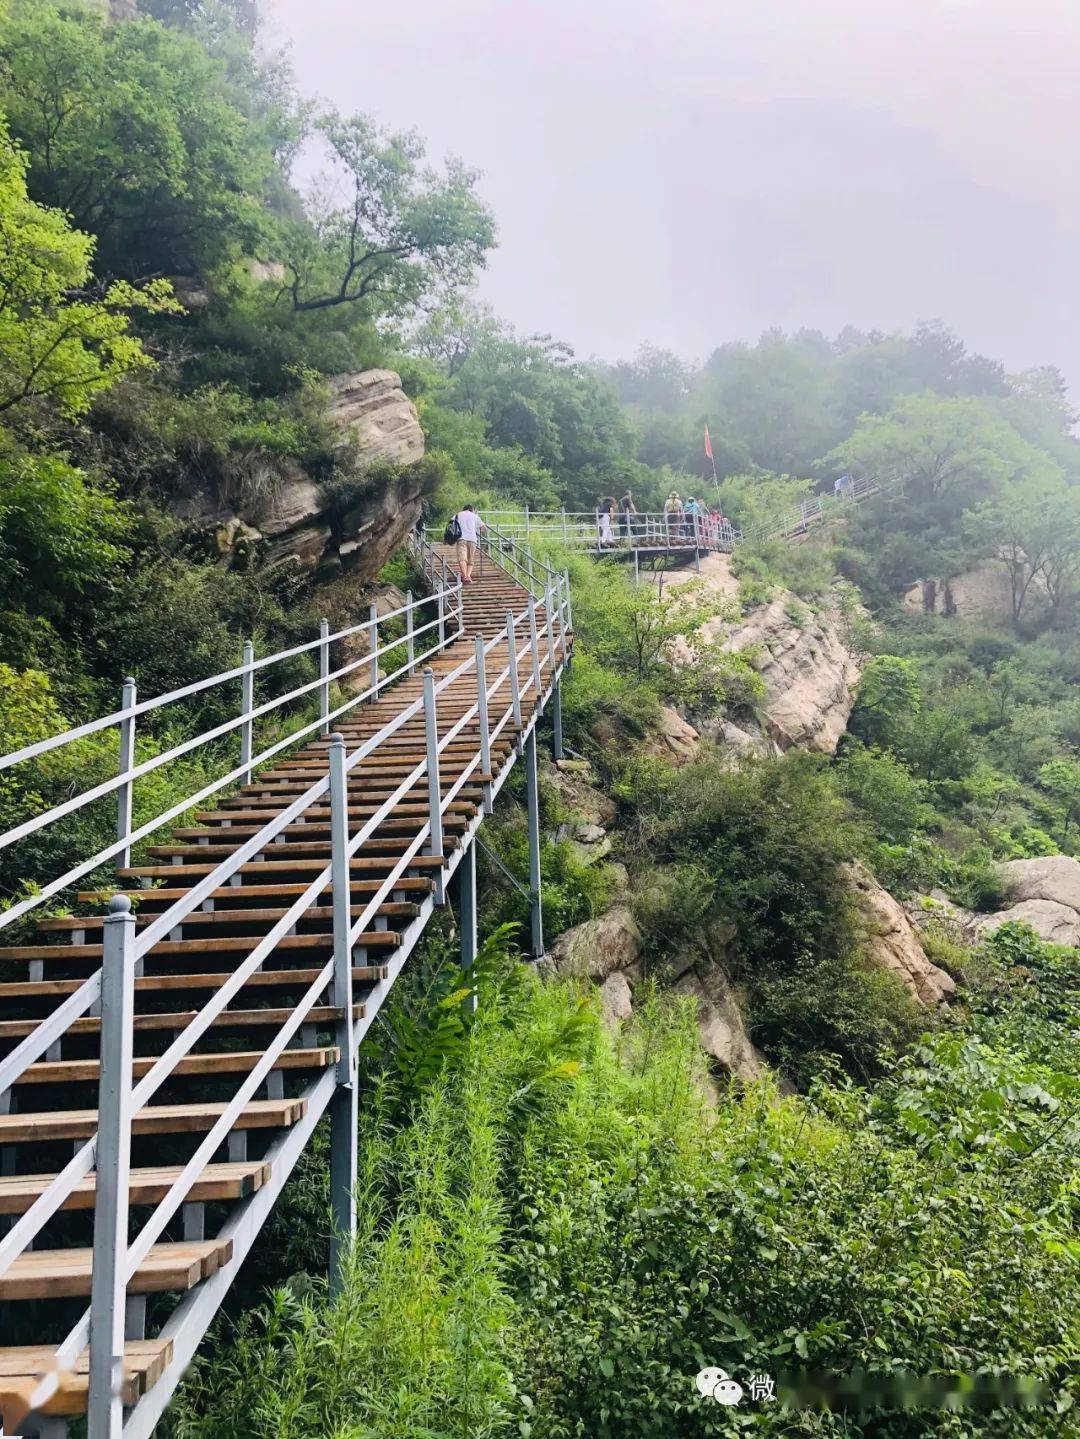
(321,913)
(148,1186)
(21,1366)
(154,1119)
(224,944)
(263,978)
(84,1071)
(65,1273)
(181,1018)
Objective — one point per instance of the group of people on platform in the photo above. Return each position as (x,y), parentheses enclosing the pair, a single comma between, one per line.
(684,522)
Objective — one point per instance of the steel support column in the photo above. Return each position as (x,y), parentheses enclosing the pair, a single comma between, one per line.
(343,1155)
(105,1412)
(556,721)
(532,795)
(467,914)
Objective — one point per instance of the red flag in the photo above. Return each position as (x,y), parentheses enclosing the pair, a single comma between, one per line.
(708,443)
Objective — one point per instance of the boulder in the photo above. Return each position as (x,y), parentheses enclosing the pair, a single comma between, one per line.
(616,998)
(375,418)
(600,946)
(1045,895)
(575,783)
(673,739)
(720,1023)
(893,942)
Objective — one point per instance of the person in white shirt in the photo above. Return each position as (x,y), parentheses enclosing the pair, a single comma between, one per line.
(470,524)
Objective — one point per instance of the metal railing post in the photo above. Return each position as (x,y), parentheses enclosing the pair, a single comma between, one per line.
(324,676)
(515,693)
(439,589)
(564,524)
(343,1141)
(482,718)
(460,609)
(373,641)
(108,1285)
(526,522)
(431,730)
(410,638)
(247,704)
(549,601)
(127,763)
(534,648)
(569,607)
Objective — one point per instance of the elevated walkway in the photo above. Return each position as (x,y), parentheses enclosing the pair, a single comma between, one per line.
(214,1008)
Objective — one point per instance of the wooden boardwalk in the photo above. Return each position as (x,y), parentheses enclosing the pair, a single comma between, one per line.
(50,1106)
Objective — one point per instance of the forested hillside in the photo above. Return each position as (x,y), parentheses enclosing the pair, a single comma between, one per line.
(736,1133)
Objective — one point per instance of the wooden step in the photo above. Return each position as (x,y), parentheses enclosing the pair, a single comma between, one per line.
(223,944)
(153,1119)
(380,865)
(200,918)
(180,1019)
(21,1366)
(147,1186)
(149,983)
(244,830)
(406,884)
(85,1071)
(65,1273)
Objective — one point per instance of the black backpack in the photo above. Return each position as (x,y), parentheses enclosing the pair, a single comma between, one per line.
(452,533)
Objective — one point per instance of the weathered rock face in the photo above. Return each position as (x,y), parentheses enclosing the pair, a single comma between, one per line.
(674,738)
(609,950)
(1046,896)
(376,418)
(286,518)
(720,1023)
(983,592)
(810,675)
(894,942)
(600,946)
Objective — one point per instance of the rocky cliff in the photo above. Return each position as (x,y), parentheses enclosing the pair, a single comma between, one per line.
(809,673)
(287,518)
(1044,894)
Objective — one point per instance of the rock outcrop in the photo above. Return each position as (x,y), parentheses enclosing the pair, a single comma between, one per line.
(1045,895)
(810,675)
(285,517)
(893,941)
(609,951)
(673,738)
(982,592)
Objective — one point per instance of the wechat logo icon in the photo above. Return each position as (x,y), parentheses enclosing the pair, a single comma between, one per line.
(718,1385)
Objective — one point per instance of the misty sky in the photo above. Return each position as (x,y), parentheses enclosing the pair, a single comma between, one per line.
(688,172)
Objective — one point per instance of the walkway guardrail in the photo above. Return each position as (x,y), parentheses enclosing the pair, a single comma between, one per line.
(600,531)
(536,641)
(431,635)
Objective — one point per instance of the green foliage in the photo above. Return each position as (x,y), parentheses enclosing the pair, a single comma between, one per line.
(57,347)
(1061,779)
(132,131)
(403,234)
(885,791)
(567,1268)
(889,698)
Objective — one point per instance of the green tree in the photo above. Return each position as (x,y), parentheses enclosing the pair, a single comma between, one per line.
(135,132)
(58,344)
(889,697)
(1061,779)
(1033,529)
(405,235)
(940,450)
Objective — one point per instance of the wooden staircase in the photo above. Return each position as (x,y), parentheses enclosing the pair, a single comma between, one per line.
(50,1106)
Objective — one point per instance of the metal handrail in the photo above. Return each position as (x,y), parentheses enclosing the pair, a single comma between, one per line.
(550,610)
(448,602)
